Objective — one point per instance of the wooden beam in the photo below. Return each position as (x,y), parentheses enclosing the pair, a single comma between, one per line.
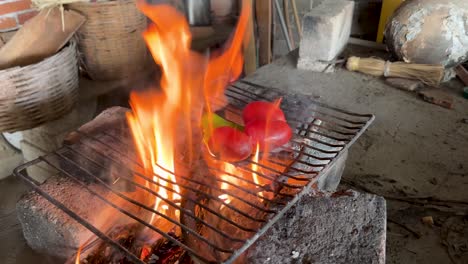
(250,49)
(264,19)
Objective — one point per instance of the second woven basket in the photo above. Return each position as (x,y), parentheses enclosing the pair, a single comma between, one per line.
(40,92)
(110,41)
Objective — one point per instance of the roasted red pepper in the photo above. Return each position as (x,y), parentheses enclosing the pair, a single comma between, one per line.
(230,144)
(269,134)
(261,110)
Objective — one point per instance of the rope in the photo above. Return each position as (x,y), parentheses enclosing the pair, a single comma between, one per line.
(44,4)
(386,72)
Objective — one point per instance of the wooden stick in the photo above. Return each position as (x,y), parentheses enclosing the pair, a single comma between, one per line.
(264,19)
(413,232)
(296,17)
(283,24)
(287,19)
(250,49)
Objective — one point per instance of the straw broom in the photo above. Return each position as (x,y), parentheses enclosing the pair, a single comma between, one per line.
(426,73)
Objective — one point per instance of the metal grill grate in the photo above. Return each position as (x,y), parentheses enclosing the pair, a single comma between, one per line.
(227,229)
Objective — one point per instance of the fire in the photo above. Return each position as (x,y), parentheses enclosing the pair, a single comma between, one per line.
(78,253)
(163,120)
(255,169)
(228,169)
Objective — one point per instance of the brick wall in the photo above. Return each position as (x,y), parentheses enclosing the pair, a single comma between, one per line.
(13,14)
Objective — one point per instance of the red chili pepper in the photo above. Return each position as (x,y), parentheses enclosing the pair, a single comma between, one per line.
(261,110)
(269,134)
(230,144)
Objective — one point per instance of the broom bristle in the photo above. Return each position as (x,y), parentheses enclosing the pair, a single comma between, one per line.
(428,74)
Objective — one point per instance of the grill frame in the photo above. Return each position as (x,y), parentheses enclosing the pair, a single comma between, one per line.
(238,94)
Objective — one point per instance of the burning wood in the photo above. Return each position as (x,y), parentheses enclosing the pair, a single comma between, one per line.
(130,236)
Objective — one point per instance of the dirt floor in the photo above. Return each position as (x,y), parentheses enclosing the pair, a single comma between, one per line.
(415,154)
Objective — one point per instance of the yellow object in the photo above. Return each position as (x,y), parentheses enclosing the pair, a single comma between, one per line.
(216,121)
(388,7)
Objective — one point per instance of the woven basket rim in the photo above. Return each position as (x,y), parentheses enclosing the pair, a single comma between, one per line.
(71,44)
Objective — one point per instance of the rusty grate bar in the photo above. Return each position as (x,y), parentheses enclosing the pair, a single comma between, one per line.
(321,135)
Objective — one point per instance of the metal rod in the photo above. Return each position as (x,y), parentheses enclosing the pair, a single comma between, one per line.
(151,209)
(206,194)
(283,24)
(183,177)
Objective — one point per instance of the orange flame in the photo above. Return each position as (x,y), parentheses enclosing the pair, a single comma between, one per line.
(255,169)
(230,169)
(189,83)
(78,253)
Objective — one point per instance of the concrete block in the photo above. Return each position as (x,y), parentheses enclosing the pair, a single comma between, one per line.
(9,163)
(46,228)
(325,31)
(345,227)
(329,181)
(41,172)
(9,158)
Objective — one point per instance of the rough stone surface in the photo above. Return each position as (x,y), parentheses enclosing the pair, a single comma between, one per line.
(349,227)
(49,230)
(325,31)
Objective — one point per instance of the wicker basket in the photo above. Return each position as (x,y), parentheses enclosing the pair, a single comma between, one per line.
(110,41)
(37,93)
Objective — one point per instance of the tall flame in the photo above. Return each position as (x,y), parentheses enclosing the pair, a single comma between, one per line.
(255,168)
(78,255)
(189,83)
